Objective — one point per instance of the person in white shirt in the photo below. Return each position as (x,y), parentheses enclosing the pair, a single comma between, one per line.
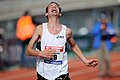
(52,63)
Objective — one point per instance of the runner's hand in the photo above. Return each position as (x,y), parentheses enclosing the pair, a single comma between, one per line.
(48,53)
(91,62)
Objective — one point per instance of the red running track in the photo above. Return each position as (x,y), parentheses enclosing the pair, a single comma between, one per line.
(77,70)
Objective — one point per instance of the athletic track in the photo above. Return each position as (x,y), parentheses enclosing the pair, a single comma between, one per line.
(77,70)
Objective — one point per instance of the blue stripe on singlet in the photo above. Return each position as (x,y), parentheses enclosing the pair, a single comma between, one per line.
(52,62)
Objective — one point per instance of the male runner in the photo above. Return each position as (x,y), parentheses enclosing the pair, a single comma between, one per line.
(52,63)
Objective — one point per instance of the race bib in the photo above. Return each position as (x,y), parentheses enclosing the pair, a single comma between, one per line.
(57,59)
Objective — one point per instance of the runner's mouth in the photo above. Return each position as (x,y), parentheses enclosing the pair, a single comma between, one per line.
(54,10)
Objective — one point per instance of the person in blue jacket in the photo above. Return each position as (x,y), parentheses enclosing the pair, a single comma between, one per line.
(103,32)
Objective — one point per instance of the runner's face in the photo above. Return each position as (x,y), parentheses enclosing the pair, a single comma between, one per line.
(53,10)
(103,21)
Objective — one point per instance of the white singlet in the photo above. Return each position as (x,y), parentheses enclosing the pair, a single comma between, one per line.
(53,68)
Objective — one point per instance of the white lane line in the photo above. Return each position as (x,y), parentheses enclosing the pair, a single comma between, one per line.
(90,70)
(81,72)
(19,76)
(116,74)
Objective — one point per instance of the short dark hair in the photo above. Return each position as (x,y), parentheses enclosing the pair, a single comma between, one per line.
(102,16)
(26,13)
(55,3)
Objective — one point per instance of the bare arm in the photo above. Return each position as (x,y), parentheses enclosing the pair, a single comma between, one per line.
(31,52)
(77,50)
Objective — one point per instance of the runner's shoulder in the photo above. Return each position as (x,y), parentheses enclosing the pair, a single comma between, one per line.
(39,27)
(69,31)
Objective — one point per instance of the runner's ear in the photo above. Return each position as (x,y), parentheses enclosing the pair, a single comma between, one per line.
(46,14)
(60,14)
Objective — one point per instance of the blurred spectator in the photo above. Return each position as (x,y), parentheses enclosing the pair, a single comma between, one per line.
(104,35)
(1,48)
(24,31)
